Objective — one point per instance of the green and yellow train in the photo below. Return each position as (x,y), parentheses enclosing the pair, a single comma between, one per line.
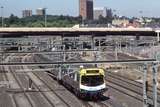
(87,82)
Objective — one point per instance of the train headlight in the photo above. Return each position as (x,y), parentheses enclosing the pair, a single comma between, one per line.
(81,66)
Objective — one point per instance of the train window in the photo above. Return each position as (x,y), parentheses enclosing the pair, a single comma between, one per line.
(92,80)
(92,71)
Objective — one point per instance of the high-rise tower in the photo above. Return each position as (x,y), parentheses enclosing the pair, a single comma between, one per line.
(86,9)
(26,13)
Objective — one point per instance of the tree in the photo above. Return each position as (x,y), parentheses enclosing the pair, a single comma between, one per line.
(13,19)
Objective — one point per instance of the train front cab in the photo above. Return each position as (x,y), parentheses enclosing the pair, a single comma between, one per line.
(92,82)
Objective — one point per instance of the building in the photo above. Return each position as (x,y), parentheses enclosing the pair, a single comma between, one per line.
(134,24)
(41,11)
(26,13)
(98,12)
(120,22)
(102,12)
(109,13)
(86,9)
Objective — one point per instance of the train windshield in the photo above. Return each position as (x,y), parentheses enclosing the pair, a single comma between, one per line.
(92,80)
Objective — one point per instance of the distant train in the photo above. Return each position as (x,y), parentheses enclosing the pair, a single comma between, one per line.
(88,82)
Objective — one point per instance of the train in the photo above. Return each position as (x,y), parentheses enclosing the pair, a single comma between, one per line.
(86,82)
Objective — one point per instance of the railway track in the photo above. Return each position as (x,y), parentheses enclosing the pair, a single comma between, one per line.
(88,104)
(101,103)
(46,91)
(22,90)
(130,81)
(130,89)
(21,78)
(36,97)
(3,77)
(53,88)
(128,86)
(6,81)
(5,99)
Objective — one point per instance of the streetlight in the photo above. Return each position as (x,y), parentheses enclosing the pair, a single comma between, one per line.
(141,13)
(2,16)
(142,18)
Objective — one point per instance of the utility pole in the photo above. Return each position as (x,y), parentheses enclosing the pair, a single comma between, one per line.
(45,17)
(2,16)
(145,86)
(155,84)
(116,51)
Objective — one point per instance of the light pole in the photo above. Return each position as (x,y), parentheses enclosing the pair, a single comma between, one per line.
(141,17)
(2,15)
(141,13)
(45,17)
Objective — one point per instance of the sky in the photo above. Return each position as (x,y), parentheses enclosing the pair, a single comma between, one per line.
(129,8)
